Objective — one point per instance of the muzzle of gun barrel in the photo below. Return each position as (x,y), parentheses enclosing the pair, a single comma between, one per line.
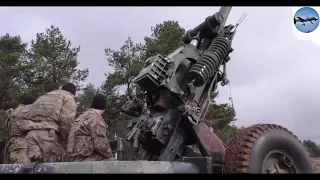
(131,134)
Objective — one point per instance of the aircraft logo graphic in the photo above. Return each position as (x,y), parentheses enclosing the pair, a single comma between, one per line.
(306,19)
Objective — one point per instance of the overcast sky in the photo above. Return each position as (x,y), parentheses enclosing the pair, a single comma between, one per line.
(274,70)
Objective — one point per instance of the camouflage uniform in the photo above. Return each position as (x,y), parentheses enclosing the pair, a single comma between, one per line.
(16,145)
(88,139)
(48,121)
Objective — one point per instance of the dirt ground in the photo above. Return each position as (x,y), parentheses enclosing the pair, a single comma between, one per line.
(316,164)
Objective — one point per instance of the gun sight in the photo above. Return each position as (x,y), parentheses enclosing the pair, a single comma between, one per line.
(210,27)
(205,29)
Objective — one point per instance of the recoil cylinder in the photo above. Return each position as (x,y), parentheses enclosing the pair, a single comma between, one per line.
(210,61)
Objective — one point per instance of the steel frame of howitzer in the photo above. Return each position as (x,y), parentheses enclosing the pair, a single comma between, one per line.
(116,146)
(187,165)
(191,165)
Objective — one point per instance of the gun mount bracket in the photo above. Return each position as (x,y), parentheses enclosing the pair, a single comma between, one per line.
(193,112)
(225,81)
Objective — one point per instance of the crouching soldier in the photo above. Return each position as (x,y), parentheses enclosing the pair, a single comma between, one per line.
(88,135)
(48,123)
(16,145)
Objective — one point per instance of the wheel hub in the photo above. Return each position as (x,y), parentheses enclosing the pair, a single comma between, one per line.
(279,162)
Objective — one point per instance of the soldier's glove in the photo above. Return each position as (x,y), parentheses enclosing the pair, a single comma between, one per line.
(36,158)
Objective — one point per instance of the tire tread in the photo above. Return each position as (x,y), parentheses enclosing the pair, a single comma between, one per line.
(237,156)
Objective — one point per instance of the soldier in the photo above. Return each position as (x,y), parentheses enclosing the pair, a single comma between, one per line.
(88,135)
(16,145)
(49,120)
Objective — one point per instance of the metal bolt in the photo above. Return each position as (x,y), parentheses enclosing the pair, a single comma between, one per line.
(198,111)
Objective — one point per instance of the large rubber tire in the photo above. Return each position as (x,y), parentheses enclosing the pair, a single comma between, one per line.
(247,151)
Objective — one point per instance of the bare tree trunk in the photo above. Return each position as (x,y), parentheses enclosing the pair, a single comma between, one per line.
(4,99)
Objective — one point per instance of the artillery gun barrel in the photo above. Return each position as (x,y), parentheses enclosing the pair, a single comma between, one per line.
(225,11)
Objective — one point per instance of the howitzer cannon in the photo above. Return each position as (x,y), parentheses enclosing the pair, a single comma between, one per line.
(178,89)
